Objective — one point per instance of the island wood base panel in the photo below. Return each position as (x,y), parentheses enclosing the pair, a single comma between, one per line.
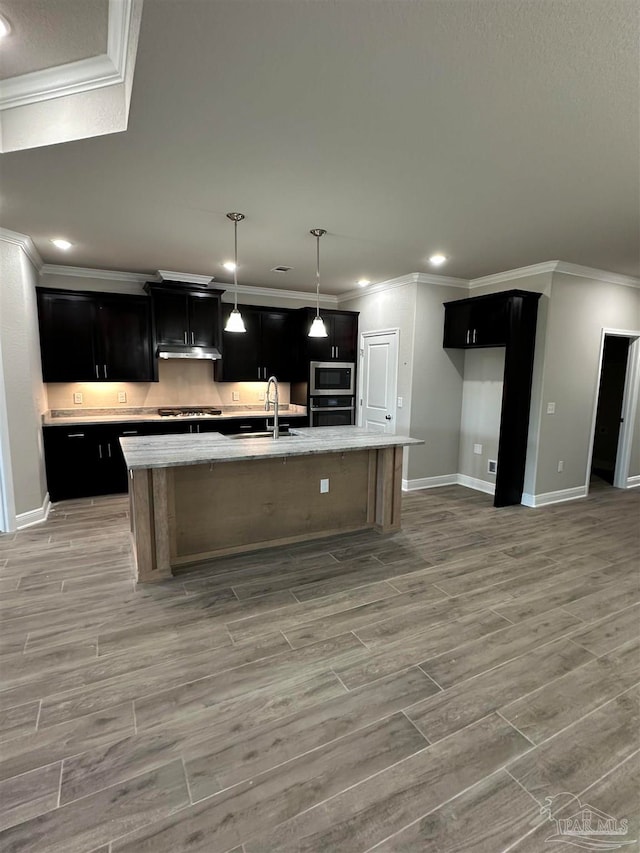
(183,515)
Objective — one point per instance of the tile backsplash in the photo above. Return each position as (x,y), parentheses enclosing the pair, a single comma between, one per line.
(182,383)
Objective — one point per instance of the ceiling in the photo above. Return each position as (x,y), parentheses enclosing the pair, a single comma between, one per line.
(45,33)
(503,133)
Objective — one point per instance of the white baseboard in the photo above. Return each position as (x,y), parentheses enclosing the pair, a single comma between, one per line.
(633,482)
(34,516)
(474,483)
(429,482)
(449,480)
(554,497)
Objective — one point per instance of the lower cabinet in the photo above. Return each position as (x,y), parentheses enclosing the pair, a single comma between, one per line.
(83,461)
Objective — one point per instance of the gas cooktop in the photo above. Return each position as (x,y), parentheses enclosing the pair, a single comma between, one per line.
(189,412)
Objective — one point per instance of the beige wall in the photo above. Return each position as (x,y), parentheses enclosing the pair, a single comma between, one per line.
(579,309)
(22,375)
(436,387)
(392,309)
(481,406)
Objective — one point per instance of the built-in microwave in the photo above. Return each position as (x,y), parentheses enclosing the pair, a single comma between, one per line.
(331,377)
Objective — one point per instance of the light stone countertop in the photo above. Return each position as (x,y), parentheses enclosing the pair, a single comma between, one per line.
(167,451)
(150,417)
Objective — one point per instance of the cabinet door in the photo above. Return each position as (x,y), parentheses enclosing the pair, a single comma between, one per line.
(125,336)
(240,351)
(489,321)
(67,339)
(344,337)
(81,462)
(172,322)
(203,321)
(277,350)
(457,325)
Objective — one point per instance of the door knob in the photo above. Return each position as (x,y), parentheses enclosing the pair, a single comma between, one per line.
(387,417)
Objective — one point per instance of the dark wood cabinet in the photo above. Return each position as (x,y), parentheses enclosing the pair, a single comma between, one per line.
(267,348)
(83,461)
(184,314)
(479,322)
(86,460)
(341,343)
(505,319)
(99,337)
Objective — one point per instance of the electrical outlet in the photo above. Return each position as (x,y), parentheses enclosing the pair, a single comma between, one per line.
(235,396)
(122,396)
(77,396)
(477,449)
(560,466)
(551,408)
(324,486)
(400,402)
(261,395)
(492,467)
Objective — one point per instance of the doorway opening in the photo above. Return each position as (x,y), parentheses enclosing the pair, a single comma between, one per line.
(612,431)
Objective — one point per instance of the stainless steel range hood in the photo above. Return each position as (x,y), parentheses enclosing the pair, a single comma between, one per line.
(184,351)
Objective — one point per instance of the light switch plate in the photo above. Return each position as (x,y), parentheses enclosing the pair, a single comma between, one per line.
(235,396)
(551,408)
(122,396)
(400,402)
(324,486)
(477,448)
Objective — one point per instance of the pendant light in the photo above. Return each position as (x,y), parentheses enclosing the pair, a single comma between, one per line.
(235,323)
(318,329)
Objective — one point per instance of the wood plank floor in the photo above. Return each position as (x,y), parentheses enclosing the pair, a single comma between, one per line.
(425,691)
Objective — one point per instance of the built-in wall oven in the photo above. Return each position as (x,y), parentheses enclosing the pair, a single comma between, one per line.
(336,410)
(327,378)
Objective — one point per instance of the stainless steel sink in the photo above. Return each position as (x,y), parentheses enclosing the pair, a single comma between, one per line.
(262,435)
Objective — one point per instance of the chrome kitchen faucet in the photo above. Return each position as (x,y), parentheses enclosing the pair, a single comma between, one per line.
(268,401)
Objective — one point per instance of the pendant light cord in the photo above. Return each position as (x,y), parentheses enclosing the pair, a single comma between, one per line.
(317,275)
(235,265)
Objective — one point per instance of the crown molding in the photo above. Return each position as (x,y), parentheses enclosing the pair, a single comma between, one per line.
(598,275)
(277,293)
(26,244)
(84,75)
(378,287)
(403,281)
(106,275)
(509,275)
(441,280)
(191,278)
(141,278)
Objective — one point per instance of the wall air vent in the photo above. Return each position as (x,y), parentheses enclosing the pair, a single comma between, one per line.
(281,269)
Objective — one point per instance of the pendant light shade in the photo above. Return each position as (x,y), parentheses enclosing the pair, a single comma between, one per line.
(317,329)
(235,323)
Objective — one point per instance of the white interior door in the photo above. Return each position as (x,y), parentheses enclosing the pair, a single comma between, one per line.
(379,380)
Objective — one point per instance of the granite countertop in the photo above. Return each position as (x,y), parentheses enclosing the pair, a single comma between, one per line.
(124,416)
(167,451)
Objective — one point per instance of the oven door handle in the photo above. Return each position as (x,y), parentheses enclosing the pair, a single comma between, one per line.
(332,408)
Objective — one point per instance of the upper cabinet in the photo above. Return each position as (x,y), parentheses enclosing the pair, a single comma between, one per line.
(479,322)
(266,348)
(185,315)
(341,343)
(99,337)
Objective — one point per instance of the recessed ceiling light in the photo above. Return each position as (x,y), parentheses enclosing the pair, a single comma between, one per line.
(229,265)
(363,282)
(5,28)
(437,259)
(62,244)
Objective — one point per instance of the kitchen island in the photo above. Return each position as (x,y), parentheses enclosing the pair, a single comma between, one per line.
(197,497)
